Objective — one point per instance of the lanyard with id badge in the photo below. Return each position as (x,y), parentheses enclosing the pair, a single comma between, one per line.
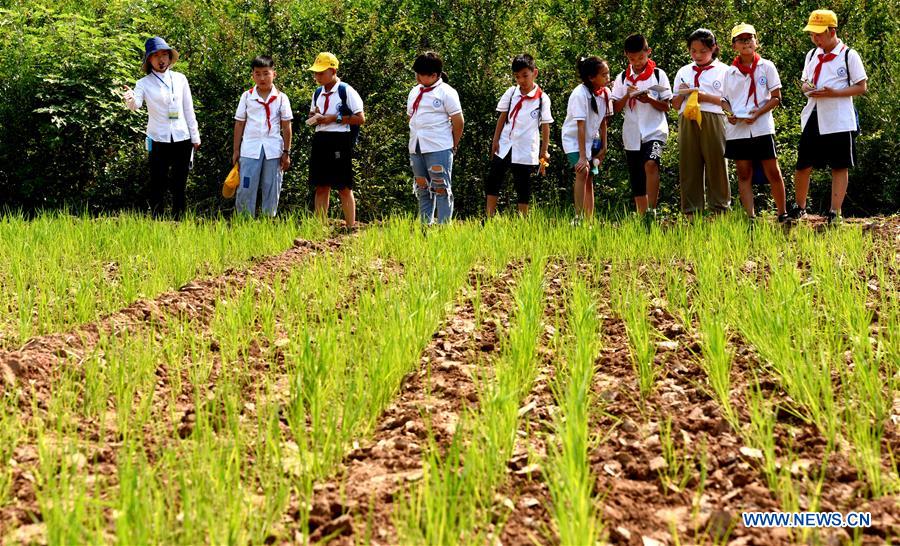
(168,94)
(170,98)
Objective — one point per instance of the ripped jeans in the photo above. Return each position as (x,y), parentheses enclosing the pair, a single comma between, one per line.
(431,184)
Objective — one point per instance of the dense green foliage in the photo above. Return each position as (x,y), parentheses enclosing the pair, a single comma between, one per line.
(65,137)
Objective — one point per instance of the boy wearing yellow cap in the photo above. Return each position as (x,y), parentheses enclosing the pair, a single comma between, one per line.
(832,75)
(752,90)
(335,108)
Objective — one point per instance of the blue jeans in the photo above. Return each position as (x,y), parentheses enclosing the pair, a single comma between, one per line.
(259,174)
(432,172)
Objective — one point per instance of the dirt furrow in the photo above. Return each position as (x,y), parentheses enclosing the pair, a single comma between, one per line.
(359,502)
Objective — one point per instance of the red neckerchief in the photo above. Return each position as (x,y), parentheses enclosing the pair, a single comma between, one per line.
(422,91)
(634,78)
(748,71)
(272,96)
(824,58)
(327,97)
(700,70)
(515,111)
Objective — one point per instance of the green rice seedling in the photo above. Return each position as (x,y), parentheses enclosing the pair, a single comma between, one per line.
(678,470)
(10,434)
(70,514)
(781,323)
(572,483)
(678,293)
(633,305)
(716,361)
(760,433)
(140,510)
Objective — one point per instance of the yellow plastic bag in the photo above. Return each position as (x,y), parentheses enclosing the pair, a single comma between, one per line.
(692,109)
(231,182)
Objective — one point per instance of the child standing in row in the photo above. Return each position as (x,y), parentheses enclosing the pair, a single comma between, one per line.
(752,90)
(701,142)
(645,128)
(172,133)
(832,75)
(262,140)
(435,128)
(584,130)
(522,128)
(334,108)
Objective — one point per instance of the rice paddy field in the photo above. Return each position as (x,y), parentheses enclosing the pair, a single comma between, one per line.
(522,382)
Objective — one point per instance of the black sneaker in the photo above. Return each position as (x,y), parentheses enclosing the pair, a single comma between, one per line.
(796,212)
(833,218)
(784,218)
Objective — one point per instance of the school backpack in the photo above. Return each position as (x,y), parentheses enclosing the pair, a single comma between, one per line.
(809,56)
(344,109)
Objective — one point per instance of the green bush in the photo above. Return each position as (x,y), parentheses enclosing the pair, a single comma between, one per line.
(65,138)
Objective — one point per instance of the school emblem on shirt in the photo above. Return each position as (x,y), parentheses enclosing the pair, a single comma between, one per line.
(437,103)
(717,84)
(535,113)
(763,80)
(842,72)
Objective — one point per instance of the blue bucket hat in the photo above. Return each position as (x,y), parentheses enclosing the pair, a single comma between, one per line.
(155,44)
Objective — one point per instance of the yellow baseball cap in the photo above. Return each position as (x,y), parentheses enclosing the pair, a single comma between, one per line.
(324,61)
(820,20)
(742,28)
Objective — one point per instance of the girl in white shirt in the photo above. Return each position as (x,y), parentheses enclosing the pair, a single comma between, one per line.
(701,146)
(435,127)
(172,133)
(584,130)
(752,91)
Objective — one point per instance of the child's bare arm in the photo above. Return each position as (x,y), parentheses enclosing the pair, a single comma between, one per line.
(286,134)
(495,143)
(238,137)
(545,140)
(457,121)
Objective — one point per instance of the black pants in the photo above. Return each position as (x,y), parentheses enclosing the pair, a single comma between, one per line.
(169,165)
(521,178)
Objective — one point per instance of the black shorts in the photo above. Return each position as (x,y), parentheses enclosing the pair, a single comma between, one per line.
(835,150)
(650,151)
(751,149)
(521,178)
(331,160)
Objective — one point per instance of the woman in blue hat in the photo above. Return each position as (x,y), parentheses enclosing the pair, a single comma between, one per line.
(172,134)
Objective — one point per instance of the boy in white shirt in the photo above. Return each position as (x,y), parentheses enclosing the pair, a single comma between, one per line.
(336,110)
(262,140)
(522,128)
(645,128)
(832,75)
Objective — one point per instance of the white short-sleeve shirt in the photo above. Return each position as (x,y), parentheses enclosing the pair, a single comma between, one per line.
(836,114)
(737,91)
(642,122)
(711,82)
(261,133)
(170,107)
(579,109)
(354,103)
(429,126)
(522,135)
